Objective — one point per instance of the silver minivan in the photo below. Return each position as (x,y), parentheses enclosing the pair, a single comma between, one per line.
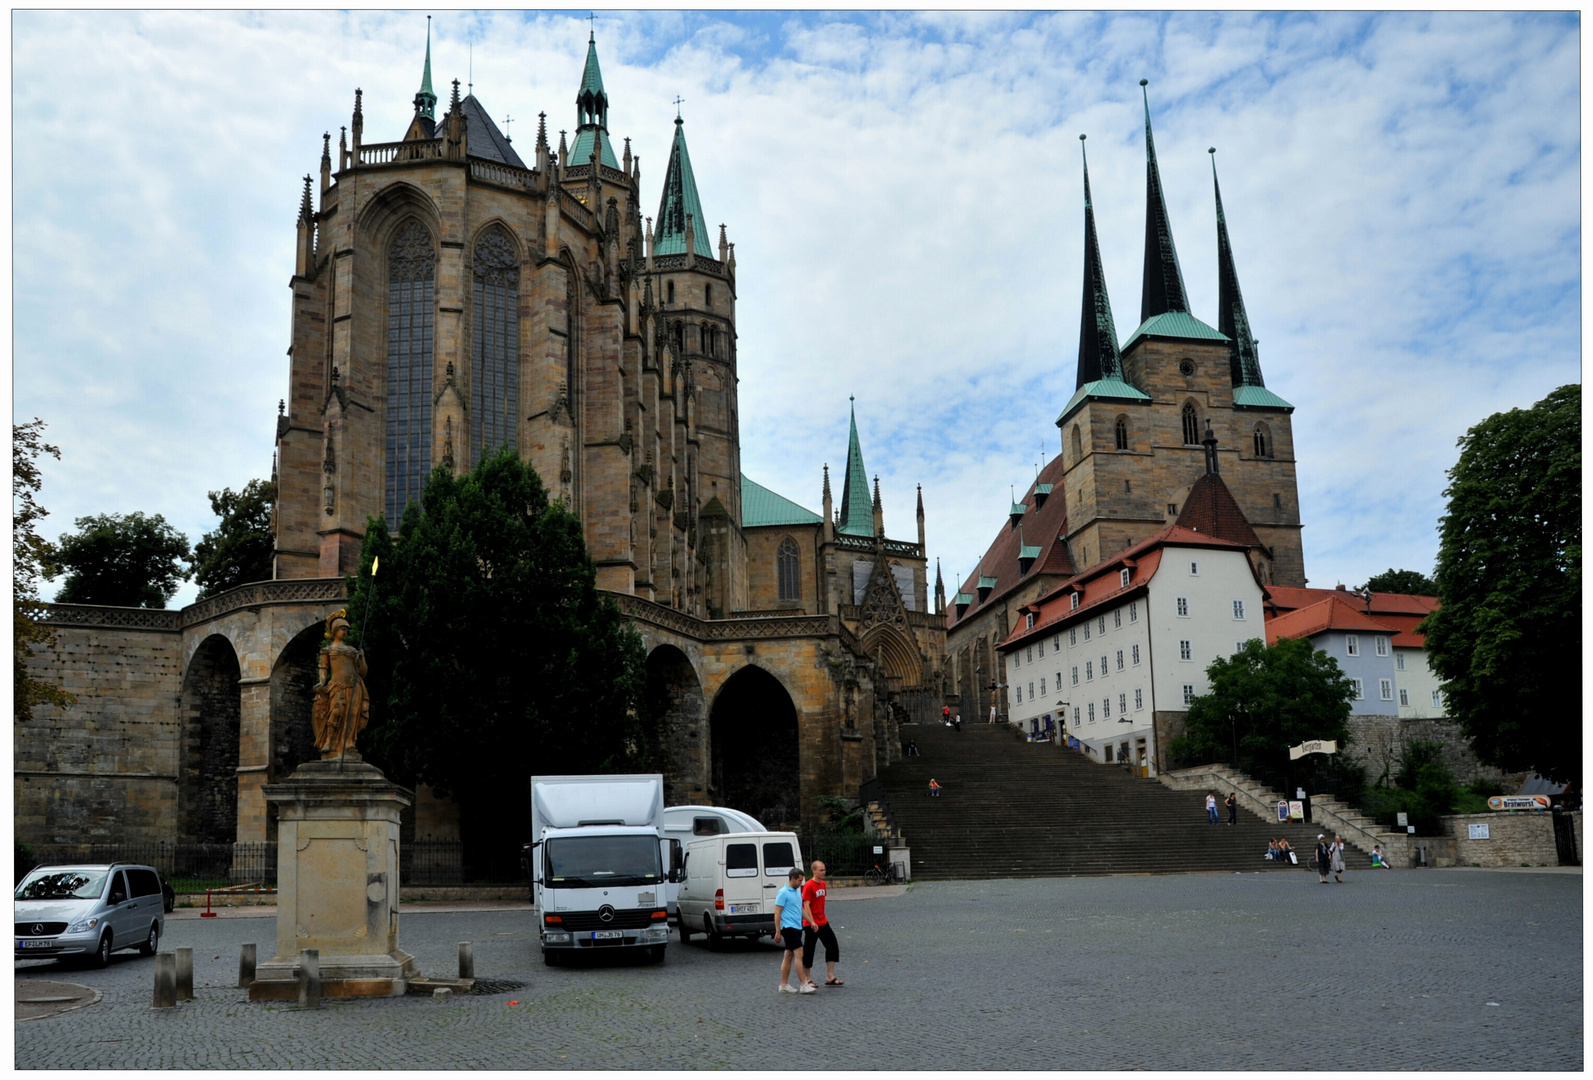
(88,912)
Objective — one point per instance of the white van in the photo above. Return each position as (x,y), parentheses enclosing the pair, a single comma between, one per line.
(731,881)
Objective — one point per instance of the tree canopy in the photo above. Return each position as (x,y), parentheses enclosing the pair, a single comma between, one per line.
(238,550)
(123,560)
(1263,700)
(492,655)
(1507,641)
(1404,582)
(31,558)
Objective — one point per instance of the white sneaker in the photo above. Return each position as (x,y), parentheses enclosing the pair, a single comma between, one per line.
(786,988)
(808,988)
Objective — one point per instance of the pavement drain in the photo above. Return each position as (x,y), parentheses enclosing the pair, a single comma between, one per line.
(495,986)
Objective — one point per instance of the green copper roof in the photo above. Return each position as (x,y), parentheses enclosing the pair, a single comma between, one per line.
(1101,389)
(1042,489)
(1174,324)
(1029,551)
(760,506)
(680,199)
(1258,397)
(964,599)
(427,104)
(1018,510)
(986,581)
(581,152)
(857,506)
(592,77)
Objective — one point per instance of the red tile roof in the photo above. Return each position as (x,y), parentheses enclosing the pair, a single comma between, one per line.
(1044,526)
(1211,509)
(1398,613)
(1332,613)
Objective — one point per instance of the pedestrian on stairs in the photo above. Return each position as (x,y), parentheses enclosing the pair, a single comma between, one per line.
(934,788)
(945,714)
(912,748)
(956,723)
(1211,808)
(1232,803)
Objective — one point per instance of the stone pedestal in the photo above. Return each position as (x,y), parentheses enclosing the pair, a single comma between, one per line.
(337,882)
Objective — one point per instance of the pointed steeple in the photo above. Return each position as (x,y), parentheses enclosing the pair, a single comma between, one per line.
(680,201)
(1163,288)
(856,505)
(425,100)
(591,113)
(1244,363)
(879,512)
(1098,354)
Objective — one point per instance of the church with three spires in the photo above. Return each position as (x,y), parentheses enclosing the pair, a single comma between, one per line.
(1158,431)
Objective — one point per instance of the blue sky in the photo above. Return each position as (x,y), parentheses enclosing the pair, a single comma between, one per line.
(904,192)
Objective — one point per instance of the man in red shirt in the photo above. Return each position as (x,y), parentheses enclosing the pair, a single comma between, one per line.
(816,928)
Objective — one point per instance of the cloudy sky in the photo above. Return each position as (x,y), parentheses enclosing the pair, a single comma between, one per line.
(904,193)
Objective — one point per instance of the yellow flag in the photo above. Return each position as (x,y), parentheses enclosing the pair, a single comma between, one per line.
(374,564)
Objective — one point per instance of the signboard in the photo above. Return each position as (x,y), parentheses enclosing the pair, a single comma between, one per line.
(1296,810)
(1283,811)
(1313,746)
(1518,802)
(1401,820)
(1477,832)
(1411,829)
(878,850)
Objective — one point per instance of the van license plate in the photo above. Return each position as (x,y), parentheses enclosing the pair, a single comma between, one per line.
(743,909)
(35,944)
(607,935)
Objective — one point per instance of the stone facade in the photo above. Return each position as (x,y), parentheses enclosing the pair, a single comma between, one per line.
(1514,839)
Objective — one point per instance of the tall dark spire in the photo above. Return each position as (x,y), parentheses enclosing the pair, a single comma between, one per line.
(1163,288)
(1098,355)
(425,100)
(1244,363)
(680,203)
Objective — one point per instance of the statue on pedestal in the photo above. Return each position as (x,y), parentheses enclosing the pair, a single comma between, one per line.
(342,708)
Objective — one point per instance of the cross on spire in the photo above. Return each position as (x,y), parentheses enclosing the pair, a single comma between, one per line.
(592,19)
(678,101)
(507,120)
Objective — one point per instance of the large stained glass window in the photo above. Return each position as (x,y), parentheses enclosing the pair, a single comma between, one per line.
(411,304)
(495,345)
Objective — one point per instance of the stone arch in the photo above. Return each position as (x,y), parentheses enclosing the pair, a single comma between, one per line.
(210,715)
(381,217)
(897,656)
(676,724)
(1191,424)
(1120,431)
(293,678)
(755,750)
(1262,440)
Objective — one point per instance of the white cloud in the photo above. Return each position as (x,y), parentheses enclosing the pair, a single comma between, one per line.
(904,194)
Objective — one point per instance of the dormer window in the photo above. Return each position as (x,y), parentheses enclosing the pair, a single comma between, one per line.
(1073,601)
(1122,579)
(1028,621)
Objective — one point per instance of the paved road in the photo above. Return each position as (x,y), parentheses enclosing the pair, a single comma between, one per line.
(1392,970)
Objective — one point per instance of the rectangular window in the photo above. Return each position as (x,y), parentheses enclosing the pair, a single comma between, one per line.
(1056,642)
(1075,717)
(1404,698)
(1238,609)
(1106,708)
(1103,667)
(1438,702)
(1385,689)
(1089,671)
(1018,693)
(1186,651)
(1092,712)
(1073,601)
(1183,607)
(1134,652)
(1100,625)
(1028,622)
(1139,698)
(1117,619)
(1133,611)
(1086,631)
(1352,645)
(1075,674)
(1122,579)
(1189,693)
(1399,661)
(741,860)
(1119,659)
(1030,658)
(1238,647)
(1380,645)
(1122,703)
(1031,691)
(1042,686)
(1360,690)
(1194,569)
(1073,638)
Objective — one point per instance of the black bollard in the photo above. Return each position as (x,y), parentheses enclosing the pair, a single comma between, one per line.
(310,978)
(165,981)
(467,960)
(246,957)
(185,973)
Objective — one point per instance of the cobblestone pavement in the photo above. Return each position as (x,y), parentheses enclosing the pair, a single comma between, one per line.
(1391,970)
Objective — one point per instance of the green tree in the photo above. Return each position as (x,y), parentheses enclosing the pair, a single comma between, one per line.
(238,550)
(32,557)
(1263,700)
(492,655)
(1507,641)
(1404,582)
(123,560)
(1423,789)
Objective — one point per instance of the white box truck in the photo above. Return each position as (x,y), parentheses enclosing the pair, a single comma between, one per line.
(603,874)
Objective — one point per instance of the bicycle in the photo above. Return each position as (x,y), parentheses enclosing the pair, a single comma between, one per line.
(884,875)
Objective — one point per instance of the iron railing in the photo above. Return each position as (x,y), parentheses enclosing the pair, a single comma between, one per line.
(185,867)
(846,854)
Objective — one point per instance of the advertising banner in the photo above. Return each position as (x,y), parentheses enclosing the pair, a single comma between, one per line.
(1518,802)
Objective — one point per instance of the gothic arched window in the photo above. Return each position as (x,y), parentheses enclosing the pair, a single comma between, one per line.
(788,568)
(1263,441)
(1191,425)
(495,345)
(1120,430)
(411,304)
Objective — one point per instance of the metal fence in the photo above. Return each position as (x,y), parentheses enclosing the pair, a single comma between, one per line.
(846,854)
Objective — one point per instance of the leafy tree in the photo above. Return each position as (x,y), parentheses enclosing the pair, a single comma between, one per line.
(1404,582)
(124,560)
(1507,641)
(1424,789)
(31,558)
(238,550)
(1263,700)
(492,656)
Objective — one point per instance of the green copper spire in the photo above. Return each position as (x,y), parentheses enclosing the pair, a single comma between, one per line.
(1244,364)
(591,114)
(857,505)
(680,199)
(1098,355)
(1163,288)
(426,101)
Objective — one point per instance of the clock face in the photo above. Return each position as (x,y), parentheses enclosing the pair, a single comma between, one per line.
(1186,368)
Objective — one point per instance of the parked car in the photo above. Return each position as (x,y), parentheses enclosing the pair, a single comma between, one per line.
(87,912)
(731,881)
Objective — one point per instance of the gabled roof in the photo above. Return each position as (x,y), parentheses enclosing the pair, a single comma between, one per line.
(1044,527)
(1332,613)
(1211,510)
(680,199)
(1176,325)
(1113,389)
(760,506)
(857,506)
(1399,613)
(482,137)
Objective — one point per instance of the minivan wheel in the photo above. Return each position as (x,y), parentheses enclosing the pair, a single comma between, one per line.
(102,955)
(715,938)
(152,943)
(685,932)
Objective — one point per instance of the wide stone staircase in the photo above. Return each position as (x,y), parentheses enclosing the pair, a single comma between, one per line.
(1009,808)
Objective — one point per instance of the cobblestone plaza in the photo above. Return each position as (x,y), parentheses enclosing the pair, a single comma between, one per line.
(1391,970)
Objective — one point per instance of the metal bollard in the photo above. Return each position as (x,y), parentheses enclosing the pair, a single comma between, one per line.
(185,973)
(467,960)
(165,981)
(310,978)
(246,957)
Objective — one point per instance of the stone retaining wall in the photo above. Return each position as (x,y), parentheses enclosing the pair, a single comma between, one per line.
(1514,839)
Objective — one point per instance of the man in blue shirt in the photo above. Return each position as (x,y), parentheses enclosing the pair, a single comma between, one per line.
(788,924)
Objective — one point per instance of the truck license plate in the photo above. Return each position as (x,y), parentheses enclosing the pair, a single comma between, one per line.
(607,935)
(34,944)
(743,909)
